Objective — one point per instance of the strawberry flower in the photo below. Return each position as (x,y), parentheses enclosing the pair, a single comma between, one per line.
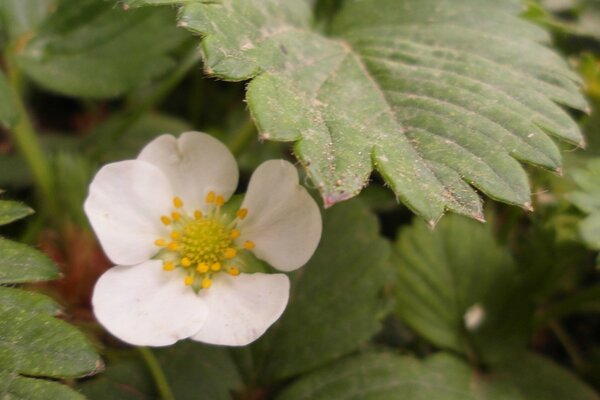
(181,254)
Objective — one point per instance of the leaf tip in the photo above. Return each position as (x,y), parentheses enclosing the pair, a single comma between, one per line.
(528,206)
(558,171)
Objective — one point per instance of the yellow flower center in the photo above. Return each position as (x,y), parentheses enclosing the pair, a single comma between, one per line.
(202,245)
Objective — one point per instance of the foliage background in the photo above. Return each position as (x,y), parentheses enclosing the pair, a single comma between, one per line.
(484,100)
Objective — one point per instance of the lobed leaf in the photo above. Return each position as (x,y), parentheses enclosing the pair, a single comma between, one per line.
(439,100)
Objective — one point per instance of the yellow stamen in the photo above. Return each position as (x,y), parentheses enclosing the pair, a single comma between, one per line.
(202,268)
(216,266)
(175,235)
(234,234)
(189,280)
(242,213)
(177,202)
(210,197)
(198,214)
(219,201)
(168,266)
(160,242)
(165,220)
(206,283)
(186,262)
(249,245)
(173,246)
(233,271)
(176,216)
(230,252)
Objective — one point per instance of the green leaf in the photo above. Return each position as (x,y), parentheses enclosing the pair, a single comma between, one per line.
(20,17)
(458,274)
(439,377)
(8,108)
(32,302)
(13,210)
(96,50)
(20,263)
(431,95)
(38,343)
(588,200)
(336,299)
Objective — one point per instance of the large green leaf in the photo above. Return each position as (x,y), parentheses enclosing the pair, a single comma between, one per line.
(440,377)
(436,95)
(458,288)
(97,50)
(336,299)
(588,200)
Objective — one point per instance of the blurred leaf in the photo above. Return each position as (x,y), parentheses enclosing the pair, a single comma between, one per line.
(8,108)
(125,378)
(13,386)
(439,377)
(193,370)
(588,200)
(425,93)
(336,301)
(199,371)
(13,210)
(21,17)
(96,50)
(20,263)
(458,288)
(129,144)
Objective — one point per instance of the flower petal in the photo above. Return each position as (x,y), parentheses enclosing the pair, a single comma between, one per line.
(124,205)
(283,221)
(241,308)
(195,164)
(146,306)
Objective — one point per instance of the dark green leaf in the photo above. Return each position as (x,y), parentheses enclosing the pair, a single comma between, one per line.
(336,299)
(32,302)
(429,94)
(458,288)
(13,210)
(20,263)
(96,50)
(588,200)
(440,377)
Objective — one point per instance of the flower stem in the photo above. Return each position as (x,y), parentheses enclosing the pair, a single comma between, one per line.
(164,390)
(25,137)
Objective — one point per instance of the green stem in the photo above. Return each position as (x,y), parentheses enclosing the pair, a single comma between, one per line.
(160,379)
(101,143)
(25,137)
(243,138)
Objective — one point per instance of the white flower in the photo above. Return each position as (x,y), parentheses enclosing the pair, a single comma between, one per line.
(180,271)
